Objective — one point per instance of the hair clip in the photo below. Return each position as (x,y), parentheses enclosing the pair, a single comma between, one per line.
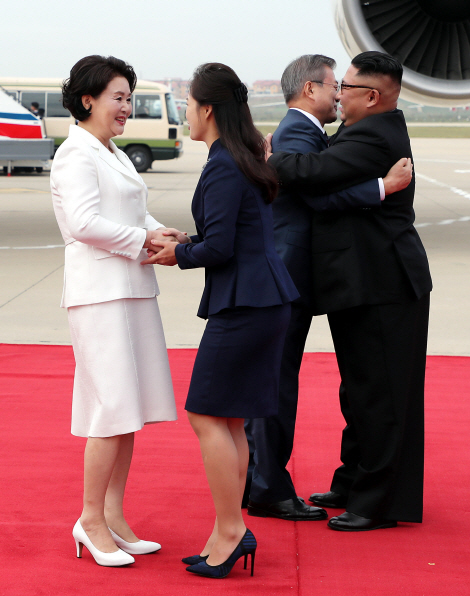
(241,94)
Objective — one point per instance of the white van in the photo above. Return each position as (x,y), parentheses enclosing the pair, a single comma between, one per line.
(153,131)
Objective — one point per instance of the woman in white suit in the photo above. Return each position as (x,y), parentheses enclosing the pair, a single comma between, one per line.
(122,377)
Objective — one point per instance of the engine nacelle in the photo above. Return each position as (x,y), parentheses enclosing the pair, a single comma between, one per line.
(431,38)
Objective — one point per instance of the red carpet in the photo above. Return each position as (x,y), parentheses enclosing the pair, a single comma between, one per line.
(168,498)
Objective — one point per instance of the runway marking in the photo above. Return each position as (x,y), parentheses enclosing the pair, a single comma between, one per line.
(31,247)
(31,286)
(18,190)
(444,222)
(454,189)
(462,171)
(429,159)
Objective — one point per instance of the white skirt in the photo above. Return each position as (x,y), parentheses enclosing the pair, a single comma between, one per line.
(122,376)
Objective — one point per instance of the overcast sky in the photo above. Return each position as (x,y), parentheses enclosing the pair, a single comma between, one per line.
(167,38)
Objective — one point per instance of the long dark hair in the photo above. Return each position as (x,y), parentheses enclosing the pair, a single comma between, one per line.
(218,85)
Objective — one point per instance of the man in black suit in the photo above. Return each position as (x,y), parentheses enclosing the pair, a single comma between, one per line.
(371,275)
(310,88)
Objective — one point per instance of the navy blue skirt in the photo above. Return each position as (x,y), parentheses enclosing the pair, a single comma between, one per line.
(237,367)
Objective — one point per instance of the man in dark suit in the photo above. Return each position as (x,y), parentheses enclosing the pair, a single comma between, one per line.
(310,88)
(371,275)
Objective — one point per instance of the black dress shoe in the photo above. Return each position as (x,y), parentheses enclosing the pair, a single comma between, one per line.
(292,509)
(350,522)
(329,499)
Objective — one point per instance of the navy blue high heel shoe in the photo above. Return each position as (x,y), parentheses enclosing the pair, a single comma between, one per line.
(246,546)
(194,559)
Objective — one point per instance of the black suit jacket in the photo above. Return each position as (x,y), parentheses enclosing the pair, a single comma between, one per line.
(372,256)
(292,210)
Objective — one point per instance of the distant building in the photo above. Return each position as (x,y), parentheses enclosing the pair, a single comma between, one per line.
(179,87)
(267,87)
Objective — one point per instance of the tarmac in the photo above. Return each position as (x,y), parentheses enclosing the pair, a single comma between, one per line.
(32,254)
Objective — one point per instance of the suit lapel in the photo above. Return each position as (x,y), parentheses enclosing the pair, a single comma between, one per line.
(337,134)
(120,162)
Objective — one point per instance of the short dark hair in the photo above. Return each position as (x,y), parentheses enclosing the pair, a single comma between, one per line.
(299,71)
(90,76)
(34,104)
(378,63)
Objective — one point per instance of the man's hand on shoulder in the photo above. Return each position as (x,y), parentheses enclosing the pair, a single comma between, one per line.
(399,176)
(268,147)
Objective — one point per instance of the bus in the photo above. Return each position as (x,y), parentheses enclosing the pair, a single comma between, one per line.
(154,130)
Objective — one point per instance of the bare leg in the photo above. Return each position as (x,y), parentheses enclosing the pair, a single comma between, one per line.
(223,468)
(238,433)
(239,437)
(210,542)
(100,458)
(113,507)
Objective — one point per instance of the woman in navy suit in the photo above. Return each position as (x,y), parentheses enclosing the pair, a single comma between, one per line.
(246,300)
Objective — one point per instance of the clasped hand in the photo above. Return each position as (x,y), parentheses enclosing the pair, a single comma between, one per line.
(161,244)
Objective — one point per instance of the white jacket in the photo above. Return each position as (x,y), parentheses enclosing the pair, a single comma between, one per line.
(100,203)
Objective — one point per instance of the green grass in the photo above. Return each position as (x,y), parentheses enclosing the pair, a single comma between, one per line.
(428,132)
(265,128)
(440,132)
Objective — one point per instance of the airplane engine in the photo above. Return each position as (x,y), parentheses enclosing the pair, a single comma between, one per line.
(431,38)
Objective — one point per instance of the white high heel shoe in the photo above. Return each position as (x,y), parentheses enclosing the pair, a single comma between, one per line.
(142,547)
(116,559)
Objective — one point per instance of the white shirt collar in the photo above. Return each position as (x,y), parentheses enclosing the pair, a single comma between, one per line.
(122,163)
(75,130)
(310,117)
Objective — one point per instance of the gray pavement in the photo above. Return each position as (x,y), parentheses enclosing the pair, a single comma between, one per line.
(31,252)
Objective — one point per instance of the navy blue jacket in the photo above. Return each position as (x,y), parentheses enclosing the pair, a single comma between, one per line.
(293,210)
(234,241)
